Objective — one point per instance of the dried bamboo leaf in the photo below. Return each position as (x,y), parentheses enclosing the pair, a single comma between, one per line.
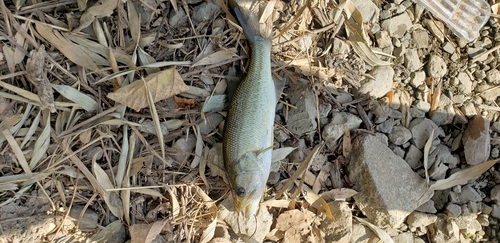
(70,50)
(461,177)
(302,168)
(427,149)
(17,151)
(346,144)
(122,160)
(146,59)
(76,96)
(32,129)
(382,235)
(209,232)
(198,149)
(162,85)
(16,127)
(281,153)
(316,201)
(105,234)
(101,8)
(41,144)
(134,22)
(111,198)
(216,57)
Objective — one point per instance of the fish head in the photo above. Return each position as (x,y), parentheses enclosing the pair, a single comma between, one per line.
(247,192)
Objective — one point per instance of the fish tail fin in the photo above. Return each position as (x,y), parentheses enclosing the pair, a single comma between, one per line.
(251,26)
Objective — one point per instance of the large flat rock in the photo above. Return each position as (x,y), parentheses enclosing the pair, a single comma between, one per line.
(389,190)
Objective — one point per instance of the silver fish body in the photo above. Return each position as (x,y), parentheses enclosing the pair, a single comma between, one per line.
(248,135)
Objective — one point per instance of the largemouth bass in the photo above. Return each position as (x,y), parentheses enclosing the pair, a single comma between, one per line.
(248,135)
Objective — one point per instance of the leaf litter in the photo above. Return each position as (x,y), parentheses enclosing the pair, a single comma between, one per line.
(116,53)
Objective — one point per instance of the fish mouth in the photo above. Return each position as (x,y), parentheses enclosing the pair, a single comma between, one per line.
(246,205)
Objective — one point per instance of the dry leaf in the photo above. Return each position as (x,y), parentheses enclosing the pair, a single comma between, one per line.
(209,232)
(461,177)
(296,225)
(35,74)
(378,231)
(281,153)
(338,194)
(111,198)
(162,85)
(217,57)
(427,149)
(183,103)
(100,9)
(70,50)
(146,233)
(317,202)
(41,144)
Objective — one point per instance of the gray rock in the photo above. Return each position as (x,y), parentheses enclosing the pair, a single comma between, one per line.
(302,119)
(420,220)
(397,25)
(211,122)
(496,211)
(495,127)
(280,135)
(469,194)
(468,109)
(388,189)
(420,38)
(495,194)
(361,234)
(149,127)
(386,126)
(444,113)
(340,229)
(399,135)
(476,140)
(421,129)
(436,67)
(453,210)
(335,129)
(383,138)
(178,19)
(444,230)
(344,97)
(416,113)
(493,76)
(440,198)
(442,155)
(422,105)
(205,11)
(417,78)
(489,93)
(427,207)
(89,220)
(383,39)
(183,147)
(448,47)
(274,177)
(413,156)
(399,151)
(412,60)
(403,237)
(465,82)
(381,84)
(369,11)
(438,171)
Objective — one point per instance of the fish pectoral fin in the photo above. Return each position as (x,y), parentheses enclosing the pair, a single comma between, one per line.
(259,153)
(234,78)
(279,85)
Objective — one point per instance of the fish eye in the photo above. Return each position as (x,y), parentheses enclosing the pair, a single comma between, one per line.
(240,191)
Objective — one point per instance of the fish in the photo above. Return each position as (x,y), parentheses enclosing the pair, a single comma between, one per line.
(249,127)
